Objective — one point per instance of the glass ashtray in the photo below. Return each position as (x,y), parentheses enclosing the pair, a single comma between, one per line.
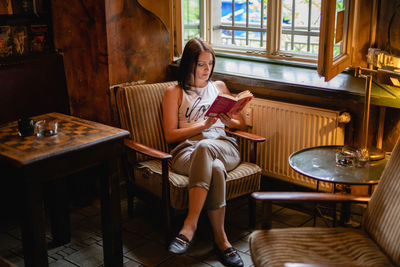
(345,158)
(46,128)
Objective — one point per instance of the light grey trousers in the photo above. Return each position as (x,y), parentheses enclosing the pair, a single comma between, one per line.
(206,158)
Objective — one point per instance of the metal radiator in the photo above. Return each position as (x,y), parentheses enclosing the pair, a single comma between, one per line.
(288,128)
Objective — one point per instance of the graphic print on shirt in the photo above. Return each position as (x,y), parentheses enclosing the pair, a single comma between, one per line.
(198,111)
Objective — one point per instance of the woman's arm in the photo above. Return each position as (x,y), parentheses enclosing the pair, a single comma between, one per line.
(170,105)
(230,120)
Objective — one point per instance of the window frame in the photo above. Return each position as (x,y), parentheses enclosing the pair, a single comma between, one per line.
(273,29)
(328,66)
(365,27)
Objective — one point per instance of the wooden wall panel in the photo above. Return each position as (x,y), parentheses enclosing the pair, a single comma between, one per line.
(361,34)
(389,26)
(79,31)
(138,43)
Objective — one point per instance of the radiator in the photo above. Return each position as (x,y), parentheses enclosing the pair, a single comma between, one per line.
(288,128)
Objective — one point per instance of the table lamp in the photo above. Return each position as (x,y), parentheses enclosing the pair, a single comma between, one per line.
(388,73)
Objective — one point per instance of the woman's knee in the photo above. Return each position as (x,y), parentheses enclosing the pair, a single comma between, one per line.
(203,145)
(218,168)
(217,193)
(203,152)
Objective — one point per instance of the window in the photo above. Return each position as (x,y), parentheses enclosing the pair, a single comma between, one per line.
(304,30)
(335,46)
(275,28)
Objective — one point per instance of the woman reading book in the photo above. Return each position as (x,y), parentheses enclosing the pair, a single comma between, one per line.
(203,150)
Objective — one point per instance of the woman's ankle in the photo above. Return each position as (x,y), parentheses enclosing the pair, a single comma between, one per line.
(222,243)
(188,231)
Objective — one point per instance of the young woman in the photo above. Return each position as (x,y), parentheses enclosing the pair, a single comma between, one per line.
(203,150)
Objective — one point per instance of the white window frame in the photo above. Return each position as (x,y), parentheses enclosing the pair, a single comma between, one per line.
(273,31)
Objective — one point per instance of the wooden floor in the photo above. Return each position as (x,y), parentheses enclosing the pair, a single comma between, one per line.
(143,243)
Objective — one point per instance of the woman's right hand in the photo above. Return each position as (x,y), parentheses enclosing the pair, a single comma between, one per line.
(210,122)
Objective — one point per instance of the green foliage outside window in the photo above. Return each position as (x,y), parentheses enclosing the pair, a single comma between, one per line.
(191,19)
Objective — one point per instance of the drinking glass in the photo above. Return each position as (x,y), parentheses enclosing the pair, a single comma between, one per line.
(46,128)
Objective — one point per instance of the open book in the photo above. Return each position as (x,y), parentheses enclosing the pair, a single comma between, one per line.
(229,104)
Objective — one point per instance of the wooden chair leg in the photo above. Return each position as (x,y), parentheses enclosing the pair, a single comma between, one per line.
(129,176)
(168,225)
(267,213)
(130,197)
(166,200)
(252,212)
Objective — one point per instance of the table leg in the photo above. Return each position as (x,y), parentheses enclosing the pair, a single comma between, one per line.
(32,225)
(58,211)
(345,209)
(315,208)
(334,207)
(111,216)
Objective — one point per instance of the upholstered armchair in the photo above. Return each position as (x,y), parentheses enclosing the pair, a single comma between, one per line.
(377,243)
(140,112)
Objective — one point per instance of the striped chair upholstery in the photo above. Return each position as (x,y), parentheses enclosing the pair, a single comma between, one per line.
(140,113)
(376,244)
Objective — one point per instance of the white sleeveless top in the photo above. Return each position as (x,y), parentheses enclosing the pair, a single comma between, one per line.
(195,103)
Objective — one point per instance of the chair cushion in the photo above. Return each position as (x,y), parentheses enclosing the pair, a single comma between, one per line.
(243,180)
(351,247)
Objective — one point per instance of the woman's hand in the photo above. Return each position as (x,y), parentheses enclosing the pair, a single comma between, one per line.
(209,122)
(230,120)
(226,119)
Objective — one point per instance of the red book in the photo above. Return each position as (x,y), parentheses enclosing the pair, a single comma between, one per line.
(229,104)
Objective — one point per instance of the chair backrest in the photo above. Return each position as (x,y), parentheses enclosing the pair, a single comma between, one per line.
(140,112)
(382,216)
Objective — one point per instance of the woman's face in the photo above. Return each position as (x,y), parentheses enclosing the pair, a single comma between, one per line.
(203,69)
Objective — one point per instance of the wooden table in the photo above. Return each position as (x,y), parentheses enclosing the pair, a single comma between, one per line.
(79,144)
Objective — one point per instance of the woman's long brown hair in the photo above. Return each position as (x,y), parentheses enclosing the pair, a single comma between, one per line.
(189,59)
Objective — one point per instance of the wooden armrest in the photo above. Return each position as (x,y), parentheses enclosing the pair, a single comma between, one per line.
(307,196)
(148,151)
(246,135)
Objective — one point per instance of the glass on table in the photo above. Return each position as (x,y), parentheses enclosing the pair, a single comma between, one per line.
(46,128)
(346,157)
(362,157)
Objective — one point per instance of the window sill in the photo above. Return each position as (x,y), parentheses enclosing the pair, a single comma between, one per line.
(252,58)
(270,78)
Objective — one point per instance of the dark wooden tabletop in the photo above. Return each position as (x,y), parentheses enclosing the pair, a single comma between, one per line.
(73,134)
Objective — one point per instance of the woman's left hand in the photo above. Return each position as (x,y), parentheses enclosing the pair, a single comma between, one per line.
(226,119)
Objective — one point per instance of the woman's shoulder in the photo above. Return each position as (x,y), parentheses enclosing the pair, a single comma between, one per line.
(221,86)
(174,92)
(174,88)
(218,83)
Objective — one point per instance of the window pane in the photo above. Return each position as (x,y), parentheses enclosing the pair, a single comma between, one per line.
(300,26)
(239,23)
(191,19)
(341,25)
